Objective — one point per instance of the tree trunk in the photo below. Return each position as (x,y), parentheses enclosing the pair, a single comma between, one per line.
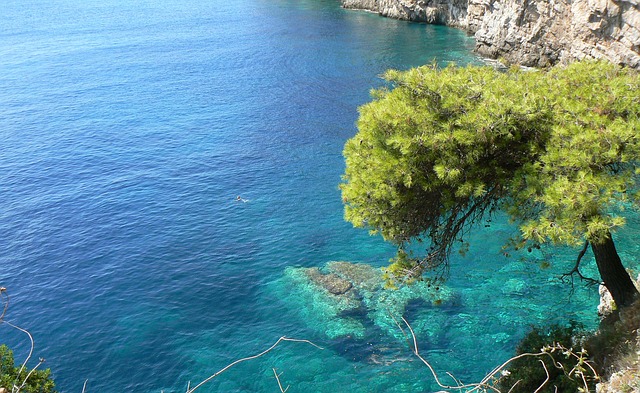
(613,273)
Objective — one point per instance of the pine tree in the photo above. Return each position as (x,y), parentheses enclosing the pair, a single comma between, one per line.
(440,150)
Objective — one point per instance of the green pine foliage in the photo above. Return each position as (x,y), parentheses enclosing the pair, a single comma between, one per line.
(39,381)
(439,150)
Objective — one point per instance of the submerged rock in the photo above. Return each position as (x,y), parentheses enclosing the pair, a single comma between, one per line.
(342,298)
(331,282)
(361,276)
(329,313)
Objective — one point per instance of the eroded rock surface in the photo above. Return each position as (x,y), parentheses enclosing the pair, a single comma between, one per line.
(531,32)
(444,12)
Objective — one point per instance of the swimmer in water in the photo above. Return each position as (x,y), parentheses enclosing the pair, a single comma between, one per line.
(239,199)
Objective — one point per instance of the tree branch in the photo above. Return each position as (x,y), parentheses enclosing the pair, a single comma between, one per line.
(576,268)
(16,388)
(484,384)
(5,297)
(453,228)
(275,373)
(546,380)
(24,382)
(283,338)
(24,364)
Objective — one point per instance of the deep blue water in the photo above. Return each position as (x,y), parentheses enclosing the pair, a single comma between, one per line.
(128,128)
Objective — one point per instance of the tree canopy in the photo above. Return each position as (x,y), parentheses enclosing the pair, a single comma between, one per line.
(439,150)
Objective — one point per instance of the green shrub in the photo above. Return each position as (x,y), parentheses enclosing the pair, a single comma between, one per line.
(38,382)
(527,374)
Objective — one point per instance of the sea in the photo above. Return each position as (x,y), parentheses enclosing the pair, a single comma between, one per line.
(169,167)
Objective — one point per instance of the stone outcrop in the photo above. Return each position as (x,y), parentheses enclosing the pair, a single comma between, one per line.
(542,33)
(620,368)
(607,306)
(443,12)
(531,32)
(341,299)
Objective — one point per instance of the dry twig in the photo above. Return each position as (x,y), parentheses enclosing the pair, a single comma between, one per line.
(275,373)
(5,297)
(16,388)
(283,338)
(24,364)
(546,380)
(485,382)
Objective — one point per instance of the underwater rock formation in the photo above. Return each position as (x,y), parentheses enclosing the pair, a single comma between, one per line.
(343,298)
(331,282)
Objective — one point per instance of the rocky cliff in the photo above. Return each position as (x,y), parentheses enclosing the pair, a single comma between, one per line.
(531,32)
(442,12)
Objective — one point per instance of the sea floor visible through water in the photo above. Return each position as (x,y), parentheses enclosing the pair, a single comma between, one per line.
(129,129)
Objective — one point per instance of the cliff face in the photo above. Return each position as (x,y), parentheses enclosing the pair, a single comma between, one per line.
(531,32)
(442,12)
(540,33)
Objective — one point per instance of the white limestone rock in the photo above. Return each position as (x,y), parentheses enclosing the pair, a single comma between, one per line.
(531,32)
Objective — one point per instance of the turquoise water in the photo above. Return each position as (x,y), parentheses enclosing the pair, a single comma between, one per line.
(128,130)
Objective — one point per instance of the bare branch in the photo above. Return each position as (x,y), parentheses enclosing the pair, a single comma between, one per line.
(16,388)
(24,364)
(433,372)
(546,380)
(283,338)
(399,326)
(576,268)
(514,385)
(484,384)
(5,296)
(24,382)
(456,380)
(278,379)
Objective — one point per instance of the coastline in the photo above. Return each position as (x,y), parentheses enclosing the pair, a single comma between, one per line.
(534,34)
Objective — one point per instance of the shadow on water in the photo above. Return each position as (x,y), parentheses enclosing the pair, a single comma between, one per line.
(376,347)
(373,349)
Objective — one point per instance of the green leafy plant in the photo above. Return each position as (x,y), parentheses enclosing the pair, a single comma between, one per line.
(22,378)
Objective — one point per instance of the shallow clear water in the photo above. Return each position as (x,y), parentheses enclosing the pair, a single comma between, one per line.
(129,128)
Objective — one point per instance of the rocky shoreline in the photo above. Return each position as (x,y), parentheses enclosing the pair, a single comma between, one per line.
(531,32)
